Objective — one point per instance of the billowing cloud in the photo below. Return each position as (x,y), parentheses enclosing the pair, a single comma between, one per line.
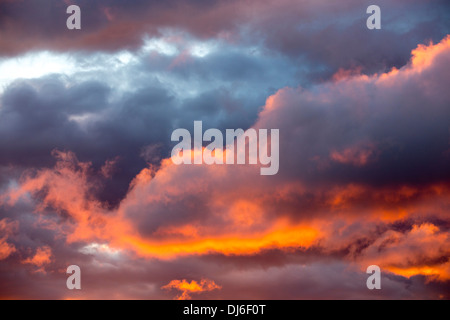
(85,130)
(325,35)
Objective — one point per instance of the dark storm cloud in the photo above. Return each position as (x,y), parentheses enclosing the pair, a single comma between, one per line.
(90,113)
(273,274)
(325,36)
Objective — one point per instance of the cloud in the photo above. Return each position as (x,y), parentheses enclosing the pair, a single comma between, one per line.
(6,249)
(422,250)
(7,228)
(67,189)
(401,115)
(355,155)
(41,258)
(322,36)
(114,106)
(364,176)
(196,210)
(189,288)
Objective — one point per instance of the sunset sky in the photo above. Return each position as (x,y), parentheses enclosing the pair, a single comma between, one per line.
(86,178)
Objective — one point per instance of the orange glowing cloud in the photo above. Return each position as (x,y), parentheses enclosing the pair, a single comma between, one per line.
(245,214)
(286,237)
(357,156)
(189,288)
(40,259)
(91,222)
(7,228)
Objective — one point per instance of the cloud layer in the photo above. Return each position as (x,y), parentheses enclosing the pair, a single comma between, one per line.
(86,178)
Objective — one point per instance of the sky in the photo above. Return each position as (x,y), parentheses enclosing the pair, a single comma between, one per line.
(86,176)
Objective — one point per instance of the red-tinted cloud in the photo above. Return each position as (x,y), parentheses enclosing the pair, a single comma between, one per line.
(41,258)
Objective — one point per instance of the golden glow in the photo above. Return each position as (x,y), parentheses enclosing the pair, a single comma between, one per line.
(281,237)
